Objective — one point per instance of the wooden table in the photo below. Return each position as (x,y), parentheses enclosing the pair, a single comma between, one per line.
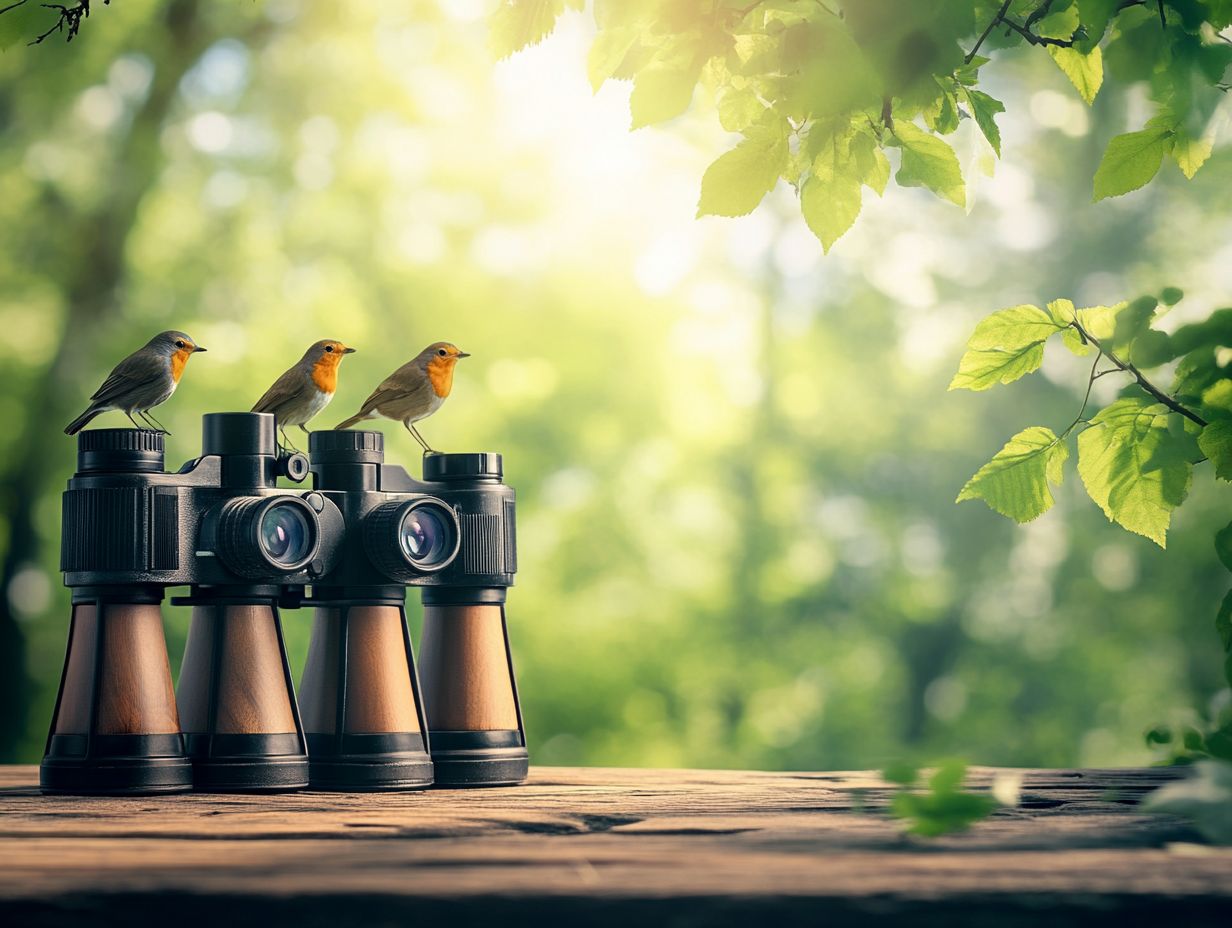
(607,847)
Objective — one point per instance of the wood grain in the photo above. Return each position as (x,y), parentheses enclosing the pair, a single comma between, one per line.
(464,669)
(252,694)
(609,847)
(380,697)
(135,695)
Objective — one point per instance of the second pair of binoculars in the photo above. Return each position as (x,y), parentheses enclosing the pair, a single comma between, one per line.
(366,717)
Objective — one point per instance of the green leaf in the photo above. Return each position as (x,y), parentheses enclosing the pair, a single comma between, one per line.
(1085,71)
(664,88)
(1015,482)
(1219,395)
(1196,372)
(942,116)
(1223,547)
(610,48)
(1134,321)
(943,807)
(1223,621)
(518,23)
(932,816)
(660,94)
(948,776)
(1097,321)
(1058,25)
(1216,443)
(1204,798)
(830,206)
(1095,16)
(1160,734)
(983,109)
(870,163)
(1012,328)
(929,162)
(1130,161)
(1170,296)
(1113,458)
(1005,346)
(738,180)
(1191,153)
(739,108)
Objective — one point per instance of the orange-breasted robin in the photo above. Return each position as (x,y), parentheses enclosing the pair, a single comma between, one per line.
(305,389)
(414,391)
(141,381)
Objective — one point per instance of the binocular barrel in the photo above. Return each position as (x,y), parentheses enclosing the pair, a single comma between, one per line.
(452,534)
(246,548)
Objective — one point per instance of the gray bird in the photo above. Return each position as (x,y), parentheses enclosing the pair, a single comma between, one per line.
(306,388)
(144,379)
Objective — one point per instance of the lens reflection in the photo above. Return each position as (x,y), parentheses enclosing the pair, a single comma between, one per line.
(424,536)
(285,534)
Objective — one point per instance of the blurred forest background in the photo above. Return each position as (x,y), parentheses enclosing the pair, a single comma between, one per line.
(736,459)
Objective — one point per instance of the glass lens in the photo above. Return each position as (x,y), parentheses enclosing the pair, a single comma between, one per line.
(424,536)
(285,533)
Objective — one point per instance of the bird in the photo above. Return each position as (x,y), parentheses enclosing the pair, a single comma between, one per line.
(414,391)
(306,388)
(141,381)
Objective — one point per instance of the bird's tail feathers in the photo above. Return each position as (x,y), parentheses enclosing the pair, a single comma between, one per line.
(82,421)
(347,423)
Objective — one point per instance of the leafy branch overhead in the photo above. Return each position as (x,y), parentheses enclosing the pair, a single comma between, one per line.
(1136,455)
(822,90)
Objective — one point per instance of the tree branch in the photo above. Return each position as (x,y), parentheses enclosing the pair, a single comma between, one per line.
(988,30)
(68,18)
(1037,39)
(1131,369)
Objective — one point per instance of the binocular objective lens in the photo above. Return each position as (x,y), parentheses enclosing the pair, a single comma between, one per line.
(425,536)
(285,534)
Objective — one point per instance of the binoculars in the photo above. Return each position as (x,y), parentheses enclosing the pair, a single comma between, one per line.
(366,718)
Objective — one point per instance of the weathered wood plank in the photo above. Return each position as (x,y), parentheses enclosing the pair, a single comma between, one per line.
(608,846)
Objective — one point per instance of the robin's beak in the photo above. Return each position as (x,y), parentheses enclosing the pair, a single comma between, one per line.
(463,354)
(348,350)
(197,348)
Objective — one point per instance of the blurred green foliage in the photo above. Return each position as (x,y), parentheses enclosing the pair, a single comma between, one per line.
(941,807)
(736,461)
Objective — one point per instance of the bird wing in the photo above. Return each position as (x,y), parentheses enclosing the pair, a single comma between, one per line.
(137,370)
(284,388)
(405,386)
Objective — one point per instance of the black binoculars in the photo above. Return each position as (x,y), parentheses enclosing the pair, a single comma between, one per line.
(366,719)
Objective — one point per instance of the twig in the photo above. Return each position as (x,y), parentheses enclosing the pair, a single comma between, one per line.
(1040,12)
(1037,39)
(68,20)
(1130,368)
(988,30)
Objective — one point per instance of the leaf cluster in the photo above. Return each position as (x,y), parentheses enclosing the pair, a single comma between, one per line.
(937,806)
(1136,455)
(822,91)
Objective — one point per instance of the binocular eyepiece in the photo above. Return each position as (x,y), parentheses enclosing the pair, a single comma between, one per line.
(246,549)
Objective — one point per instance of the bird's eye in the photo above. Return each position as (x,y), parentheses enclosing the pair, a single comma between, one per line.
(179,344)
(442,352)
(329,347)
